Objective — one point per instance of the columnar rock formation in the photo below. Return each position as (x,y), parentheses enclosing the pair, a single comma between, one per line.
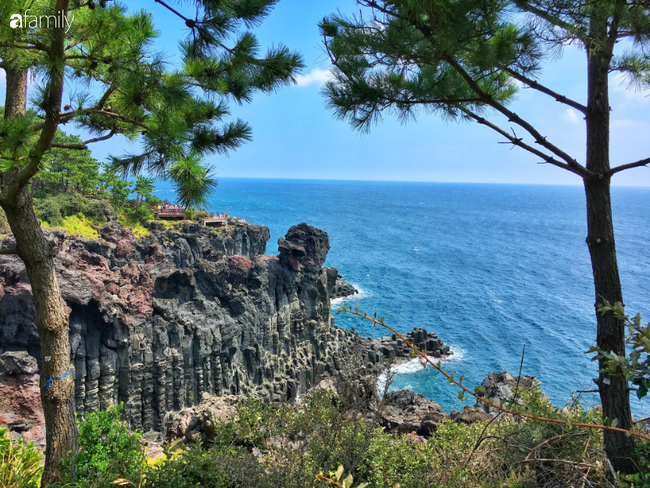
(156,322)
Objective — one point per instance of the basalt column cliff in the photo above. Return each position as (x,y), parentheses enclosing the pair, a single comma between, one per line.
(156,322)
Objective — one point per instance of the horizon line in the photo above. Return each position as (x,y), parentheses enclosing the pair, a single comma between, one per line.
(415,181)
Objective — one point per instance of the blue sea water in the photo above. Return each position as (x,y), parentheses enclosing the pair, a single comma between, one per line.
(489,268)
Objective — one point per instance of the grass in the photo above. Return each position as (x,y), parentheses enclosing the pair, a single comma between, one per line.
(139,231)
(77,225)
(172,224)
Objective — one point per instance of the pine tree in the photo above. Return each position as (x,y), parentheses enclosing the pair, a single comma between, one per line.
(143,187)
(463,61)
(100,72)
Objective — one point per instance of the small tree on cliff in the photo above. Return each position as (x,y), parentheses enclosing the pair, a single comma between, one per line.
(459,59)
(113,85)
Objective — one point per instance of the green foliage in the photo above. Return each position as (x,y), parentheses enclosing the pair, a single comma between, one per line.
(194,467)
(456,58)
(118,188)
(142,213)
(107,451)
(193,182)
(636,367)
(71,167)
(188,467)
(292,445)
(143,187)
(118,86)
(54,208)
(154,200)
(20,465)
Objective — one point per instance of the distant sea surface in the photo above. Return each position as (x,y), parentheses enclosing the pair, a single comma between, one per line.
(489,268)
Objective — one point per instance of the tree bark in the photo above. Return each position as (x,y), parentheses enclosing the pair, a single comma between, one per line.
(57,395)
(16,98)
(37,252)
(614,392)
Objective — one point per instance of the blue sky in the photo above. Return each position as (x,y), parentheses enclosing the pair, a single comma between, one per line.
(295,136)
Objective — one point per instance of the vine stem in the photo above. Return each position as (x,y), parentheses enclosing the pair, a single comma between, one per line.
(329,480)
(480,398)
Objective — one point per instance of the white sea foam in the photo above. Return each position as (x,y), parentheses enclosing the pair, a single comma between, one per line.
(363,293)
(414,365)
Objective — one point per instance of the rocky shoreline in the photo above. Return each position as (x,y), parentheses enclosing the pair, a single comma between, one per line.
(157,322)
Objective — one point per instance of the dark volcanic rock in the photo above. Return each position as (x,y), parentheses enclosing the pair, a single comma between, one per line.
(202,420)
(406,411)
(469,415)
(156,323)
(17,362)
(342,289)
(392,347)
(501,387)
(304,246)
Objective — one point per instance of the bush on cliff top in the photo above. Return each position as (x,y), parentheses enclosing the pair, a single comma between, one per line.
(107,451)
(54,208)
(287,446)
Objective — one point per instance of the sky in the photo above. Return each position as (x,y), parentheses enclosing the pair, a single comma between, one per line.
(296,136)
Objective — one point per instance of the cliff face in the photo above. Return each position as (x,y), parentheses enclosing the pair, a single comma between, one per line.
(156,322)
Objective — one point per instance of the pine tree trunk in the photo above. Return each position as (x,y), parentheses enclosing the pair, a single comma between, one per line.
(37,252)
(614,393)
(16,99)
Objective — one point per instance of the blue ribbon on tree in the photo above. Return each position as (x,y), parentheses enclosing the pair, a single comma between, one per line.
(49,380)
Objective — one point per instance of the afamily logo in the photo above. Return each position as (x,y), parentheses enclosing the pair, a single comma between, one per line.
(17,21)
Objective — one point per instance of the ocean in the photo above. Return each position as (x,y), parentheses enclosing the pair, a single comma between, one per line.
(489,268)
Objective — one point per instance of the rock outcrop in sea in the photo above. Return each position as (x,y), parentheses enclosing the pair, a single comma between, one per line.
(158,321)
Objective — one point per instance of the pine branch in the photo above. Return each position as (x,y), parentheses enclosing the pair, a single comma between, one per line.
(636,164)
(612,35)
(547,91)
(515,141)
(188,22)
(83,145)
(514,118)
(553,20)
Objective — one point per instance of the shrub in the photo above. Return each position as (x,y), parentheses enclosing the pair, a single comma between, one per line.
(19,465)
(201,214)
(70,203)
(96,210)
(49,211)
(53,209)
(144,212)
(107,451)
(288,445)
(188,467)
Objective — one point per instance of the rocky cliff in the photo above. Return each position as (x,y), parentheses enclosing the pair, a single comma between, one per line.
(158,321)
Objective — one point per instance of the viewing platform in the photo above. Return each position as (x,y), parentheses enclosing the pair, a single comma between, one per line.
(170,213)
(215,220)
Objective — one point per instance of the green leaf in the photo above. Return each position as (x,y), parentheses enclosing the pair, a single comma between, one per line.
(339,472)
(347,482)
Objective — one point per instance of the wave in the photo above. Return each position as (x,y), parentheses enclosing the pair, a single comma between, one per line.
(414,365)
(363,293)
